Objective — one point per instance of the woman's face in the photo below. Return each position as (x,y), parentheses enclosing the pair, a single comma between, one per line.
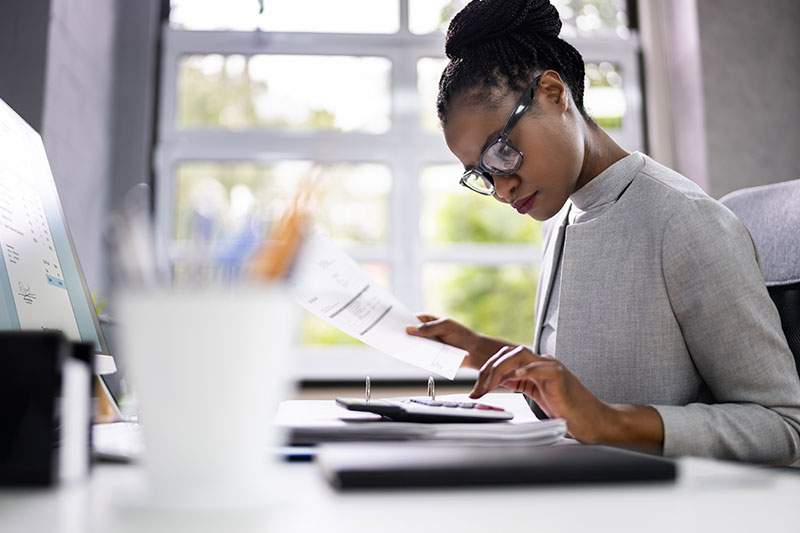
(550,139)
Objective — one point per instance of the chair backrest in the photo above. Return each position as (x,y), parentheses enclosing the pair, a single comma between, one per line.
(772,215)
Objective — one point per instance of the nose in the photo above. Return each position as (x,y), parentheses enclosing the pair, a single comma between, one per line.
(505,187)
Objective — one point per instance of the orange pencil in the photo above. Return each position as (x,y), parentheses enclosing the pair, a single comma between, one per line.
(276,256)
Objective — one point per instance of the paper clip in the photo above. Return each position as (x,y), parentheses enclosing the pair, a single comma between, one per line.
(431,388)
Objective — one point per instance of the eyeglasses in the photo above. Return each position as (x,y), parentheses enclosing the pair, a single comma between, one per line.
(500,158)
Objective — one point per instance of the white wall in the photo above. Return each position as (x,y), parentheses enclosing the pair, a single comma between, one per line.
(723,89)
(750,55)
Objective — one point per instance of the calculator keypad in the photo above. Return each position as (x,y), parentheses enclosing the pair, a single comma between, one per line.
(461,405)
(424,409)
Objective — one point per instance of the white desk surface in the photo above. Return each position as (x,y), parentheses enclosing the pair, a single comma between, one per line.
(708,496)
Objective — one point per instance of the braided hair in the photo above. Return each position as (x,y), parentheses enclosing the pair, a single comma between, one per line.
(495,46)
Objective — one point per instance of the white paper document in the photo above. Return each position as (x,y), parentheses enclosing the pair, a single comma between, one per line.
(330,284)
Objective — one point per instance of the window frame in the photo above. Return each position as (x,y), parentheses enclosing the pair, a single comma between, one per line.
(405,148)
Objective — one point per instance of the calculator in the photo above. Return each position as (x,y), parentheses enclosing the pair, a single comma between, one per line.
(428,410)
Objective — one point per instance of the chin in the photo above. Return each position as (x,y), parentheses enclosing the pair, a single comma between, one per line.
(543,212)
(536,216)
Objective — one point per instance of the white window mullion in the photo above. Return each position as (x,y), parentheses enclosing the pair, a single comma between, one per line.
(482,254)
(183,42)
(404,198)
(164,157)
(403,6)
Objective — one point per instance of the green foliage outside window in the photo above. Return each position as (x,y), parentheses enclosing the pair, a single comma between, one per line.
(226,96)
(470,217)
(497,301)
(315,331)
(494,301)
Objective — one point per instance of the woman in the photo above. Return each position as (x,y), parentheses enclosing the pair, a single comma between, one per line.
(655,330)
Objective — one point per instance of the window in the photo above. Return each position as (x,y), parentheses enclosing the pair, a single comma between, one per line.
(285,92)
(253,100)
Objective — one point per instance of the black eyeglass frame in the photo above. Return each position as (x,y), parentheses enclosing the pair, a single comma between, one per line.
(483,170)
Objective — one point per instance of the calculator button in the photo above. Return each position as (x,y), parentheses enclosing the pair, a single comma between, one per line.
(450,404)
(482,407)
(467,405)
(425,401)
(431,403)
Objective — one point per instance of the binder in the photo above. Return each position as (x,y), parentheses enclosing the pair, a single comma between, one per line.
(312,422)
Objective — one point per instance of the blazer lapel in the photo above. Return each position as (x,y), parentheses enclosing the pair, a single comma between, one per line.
(552,254)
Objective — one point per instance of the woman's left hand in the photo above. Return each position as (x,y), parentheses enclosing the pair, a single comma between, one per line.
(557,391)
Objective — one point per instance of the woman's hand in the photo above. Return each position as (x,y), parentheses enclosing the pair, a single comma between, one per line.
(478,347)
(561,395)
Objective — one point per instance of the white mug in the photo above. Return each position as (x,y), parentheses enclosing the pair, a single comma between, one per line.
(209,367)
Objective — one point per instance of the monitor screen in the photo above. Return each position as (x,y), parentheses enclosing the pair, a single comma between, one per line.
(41,283)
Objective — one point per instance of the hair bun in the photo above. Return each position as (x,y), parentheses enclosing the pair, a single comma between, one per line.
(484,21)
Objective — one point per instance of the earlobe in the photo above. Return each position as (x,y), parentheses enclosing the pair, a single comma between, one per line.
(564,101)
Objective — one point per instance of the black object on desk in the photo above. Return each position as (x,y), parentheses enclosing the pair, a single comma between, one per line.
(45,408)
(360,466)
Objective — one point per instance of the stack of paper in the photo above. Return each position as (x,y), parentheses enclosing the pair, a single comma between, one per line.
(320,421)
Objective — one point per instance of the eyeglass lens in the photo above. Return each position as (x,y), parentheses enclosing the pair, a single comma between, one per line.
(479,182)
(501,158)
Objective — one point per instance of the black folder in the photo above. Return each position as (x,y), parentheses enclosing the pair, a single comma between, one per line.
(361,466)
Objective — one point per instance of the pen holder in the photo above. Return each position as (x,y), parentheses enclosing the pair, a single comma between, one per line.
(209,366)
(45,408)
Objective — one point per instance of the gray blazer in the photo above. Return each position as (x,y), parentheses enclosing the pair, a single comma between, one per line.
(663,303)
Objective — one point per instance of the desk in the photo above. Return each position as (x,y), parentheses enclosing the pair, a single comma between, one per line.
(709,496)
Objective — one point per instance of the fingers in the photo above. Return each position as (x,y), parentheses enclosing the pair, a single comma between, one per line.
(422,317)
(534,372)
(430,328)
(487,372)
(542,369)
(539,376)
(500,368)
(529,388)
(518,385)
(489,362)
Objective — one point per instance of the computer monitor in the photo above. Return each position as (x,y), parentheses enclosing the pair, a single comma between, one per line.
(41,282)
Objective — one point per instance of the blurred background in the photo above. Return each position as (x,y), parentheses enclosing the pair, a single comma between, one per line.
(223,106)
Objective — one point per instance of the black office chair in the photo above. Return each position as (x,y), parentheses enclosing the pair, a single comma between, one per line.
(772,215)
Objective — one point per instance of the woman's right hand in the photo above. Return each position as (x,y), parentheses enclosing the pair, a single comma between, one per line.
(479,348)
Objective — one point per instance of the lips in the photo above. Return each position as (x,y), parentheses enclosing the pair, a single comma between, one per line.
(523,205)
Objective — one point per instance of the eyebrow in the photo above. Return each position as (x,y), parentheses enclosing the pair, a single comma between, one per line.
(491,137)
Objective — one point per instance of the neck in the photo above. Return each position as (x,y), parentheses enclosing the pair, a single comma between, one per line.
(599,152)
